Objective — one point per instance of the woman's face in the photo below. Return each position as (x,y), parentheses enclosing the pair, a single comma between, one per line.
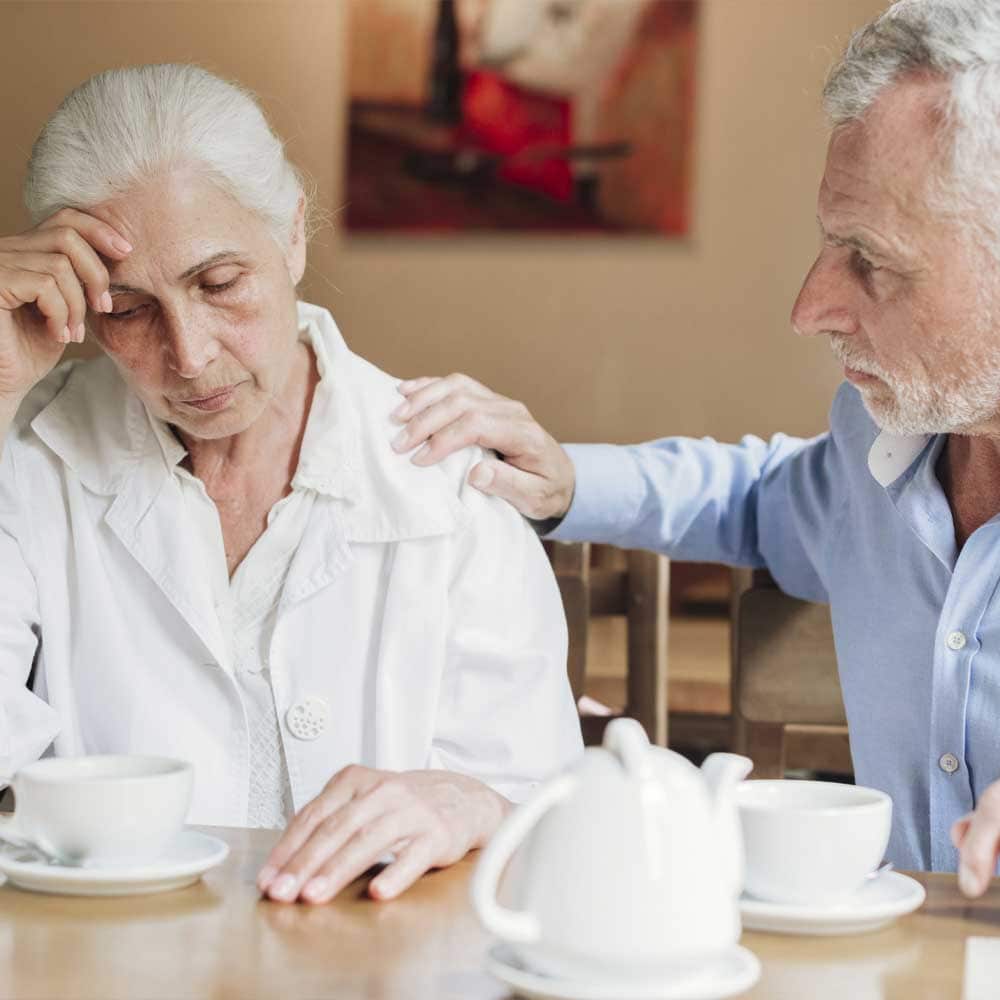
(203,326)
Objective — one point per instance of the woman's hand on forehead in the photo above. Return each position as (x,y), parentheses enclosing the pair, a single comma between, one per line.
(49,276)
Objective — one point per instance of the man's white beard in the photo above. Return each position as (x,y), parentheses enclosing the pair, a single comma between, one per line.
(919,406)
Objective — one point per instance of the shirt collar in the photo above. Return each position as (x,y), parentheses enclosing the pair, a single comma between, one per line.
(102,431)
(892,454)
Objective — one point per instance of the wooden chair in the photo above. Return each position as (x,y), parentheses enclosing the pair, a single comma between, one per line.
(634,584)
(787,705)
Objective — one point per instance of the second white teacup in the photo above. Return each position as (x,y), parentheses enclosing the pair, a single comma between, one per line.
(104,811)
(811,842)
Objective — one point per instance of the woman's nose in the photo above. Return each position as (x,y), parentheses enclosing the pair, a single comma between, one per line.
(825,303)
(190,350)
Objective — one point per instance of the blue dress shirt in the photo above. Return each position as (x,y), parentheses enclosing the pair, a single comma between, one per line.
(857,519)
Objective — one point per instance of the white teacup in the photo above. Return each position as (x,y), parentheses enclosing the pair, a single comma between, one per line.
(108,810)
(811,842)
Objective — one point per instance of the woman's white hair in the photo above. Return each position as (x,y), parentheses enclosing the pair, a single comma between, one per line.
(122,127)
(958,41)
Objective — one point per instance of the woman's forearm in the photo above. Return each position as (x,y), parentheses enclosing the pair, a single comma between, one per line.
(8,409)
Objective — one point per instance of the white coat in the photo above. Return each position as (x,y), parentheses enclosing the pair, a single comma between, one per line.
(423,613)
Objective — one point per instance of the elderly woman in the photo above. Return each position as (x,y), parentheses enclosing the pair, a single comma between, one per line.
(209,548)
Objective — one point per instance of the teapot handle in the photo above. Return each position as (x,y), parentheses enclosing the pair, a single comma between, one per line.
(512,925)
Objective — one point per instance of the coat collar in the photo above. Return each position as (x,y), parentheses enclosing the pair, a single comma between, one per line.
(104,434)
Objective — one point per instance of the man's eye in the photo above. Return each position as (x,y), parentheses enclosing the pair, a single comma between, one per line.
(862,265)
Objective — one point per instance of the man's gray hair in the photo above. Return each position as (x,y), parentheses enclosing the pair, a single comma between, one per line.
(122,127)
(959,41)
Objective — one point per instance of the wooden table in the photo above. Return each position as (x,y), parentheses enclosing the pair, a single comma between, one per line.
(218,940)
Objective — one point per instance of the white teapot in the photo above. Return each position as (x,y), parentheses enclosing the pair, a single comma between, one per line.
(630,864)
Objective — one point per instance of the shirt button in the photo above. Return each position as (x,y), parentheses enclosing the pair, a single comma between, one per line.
(956,640)
(308,718)
(948,763)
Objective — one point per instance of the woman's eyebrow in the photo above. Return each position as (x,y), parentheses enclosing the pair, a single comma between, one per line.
(217,258)
(221,257)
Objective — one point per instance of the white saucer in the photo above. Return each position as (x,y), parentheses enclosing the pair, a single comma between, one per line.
(184,862)
(877,903)
(734,973)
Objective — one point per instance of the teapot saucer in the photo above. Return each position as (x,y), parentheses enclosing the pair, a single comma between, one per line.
(877,903)
(734,972)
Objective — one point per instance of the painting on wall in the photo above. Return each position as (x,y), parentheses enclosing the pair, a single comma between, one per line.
(520,115)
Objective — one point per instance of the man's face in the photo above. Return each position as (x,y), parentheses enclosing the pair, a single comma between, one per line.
(204,323)
(906,300)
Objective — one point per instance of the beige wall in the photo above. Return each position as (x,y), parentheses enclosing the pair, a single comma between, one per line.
(616,339)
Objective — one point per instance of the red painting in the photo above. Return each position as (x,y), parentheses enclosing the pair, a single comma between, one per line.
(520,115)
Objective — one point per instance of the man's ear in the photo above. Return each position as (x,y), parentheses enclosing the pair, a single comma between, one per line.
(295,256)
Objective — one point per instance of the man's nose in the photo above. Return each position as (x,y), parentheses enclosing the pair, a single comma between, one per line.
(191,346)
(825,303)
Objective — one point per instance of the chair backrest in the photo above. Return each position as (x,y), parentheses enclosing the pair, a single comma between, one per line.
(600,580)
(786,689)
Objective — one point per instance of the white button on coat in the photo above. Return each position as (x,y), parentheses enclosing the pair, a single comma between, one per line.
(948,763)
(307,719)
(956,640)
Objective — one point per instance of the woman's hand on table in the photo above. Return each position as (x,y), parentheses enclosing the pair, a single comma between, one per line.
(49,276)
(427,819)
(977,837)
(442,415)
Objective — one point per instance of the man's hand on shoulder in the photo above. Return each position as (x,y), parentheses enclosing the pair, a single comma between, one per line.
(442,415)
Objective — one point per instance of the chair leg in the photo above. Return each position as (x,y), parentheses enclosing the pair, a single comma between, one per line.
(765,746)
(649,584)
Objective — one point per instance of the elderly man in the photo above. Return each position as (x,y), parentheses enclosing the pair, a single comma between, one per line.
(891,516)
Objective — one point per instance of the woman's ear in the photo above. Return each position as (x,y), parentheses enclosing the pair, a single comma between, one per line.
(295,256)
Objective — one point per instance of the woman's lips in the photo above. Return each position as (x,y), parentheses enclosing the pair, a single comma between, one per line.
(217,401)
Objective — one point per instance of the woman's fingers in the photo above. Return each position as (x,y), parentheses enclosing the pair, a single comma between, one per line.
(339,791)
(412,861)
(60,268)
(368,842)
(104,238)
(19,288)
(363,830)
(73,248)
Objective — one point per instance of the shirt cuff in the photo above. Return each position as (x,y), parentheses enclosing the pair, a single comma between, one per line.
(608,495)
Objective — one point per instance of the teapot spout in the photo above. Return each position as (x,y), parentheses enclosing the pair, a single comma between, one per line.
(722,773)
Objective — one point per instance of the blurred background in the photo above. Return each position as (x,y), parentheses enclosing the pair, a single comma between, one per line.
(613,337)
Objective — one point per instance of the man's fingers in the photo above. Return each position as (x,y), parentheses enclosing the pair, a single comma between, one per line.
(495,425)
(522,490)
(411,862)
(409,386)
(978,853)
(959,829)
(433,390)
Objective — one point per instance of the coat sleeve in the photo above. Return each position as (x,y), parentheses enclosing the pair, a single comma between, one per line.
(27,724)
(506,713)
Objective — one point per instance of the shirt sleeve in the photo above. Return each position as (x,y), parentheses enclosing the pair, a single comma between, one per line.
(507,714)
(763,504)
(27,724)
